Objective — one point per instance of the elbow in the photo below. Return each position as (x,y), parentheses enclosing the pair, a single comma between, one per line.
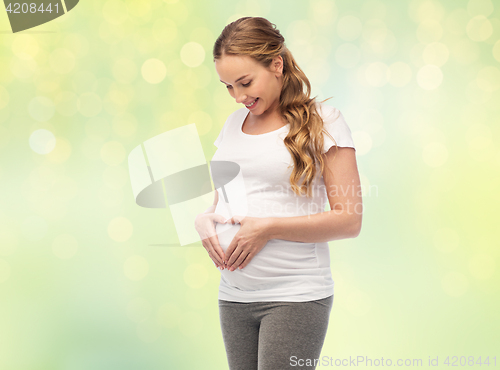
(356,227)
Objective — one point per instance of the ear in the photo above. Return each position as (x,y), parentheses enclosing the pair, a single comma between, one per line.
(278,65)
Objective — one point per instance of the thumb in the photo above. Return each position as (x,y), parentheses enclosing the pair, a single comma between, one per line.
(220,219)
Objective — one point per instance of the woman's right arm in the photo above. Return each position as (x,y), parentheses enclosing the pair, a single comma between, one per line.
(205,226)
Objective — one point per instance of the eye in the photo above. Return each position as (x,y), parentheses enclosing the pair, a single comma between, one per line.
(229,87)
(247,84)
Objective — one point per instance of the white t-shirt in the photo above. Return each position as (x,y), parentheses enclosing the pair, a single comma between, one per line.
(283,270)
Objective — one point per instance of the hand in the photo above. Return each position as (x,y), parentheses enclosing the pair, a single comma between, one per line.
(248,241)
(205,226)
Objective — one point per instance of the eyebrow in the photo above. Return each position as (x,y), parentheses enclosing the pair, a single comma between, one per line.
(241,78)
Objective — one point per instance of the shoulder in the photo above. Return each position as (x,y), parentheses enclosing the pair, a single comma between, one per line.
(335,124)
(327,112)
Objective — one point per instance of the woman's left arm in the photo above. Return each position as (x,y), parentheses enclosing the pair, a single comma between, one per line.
(343,221)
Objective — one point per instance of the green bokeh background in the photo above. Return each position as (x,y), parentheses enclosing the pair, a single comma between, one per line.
(85,282)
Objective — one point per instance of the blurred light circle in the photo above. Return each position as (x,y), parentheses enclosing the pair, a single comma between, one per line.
(114,12)
(349,28)
(89,104)
(455,284)
(66,103)
(496,51)
(140,9)
(61,152)
(375,32)
(436,54)
(77,43)
(429,31)
(319,72)
(153,71)
(164,29)
(456,21)
(120,95)
(195,276)
(488,79)
(4,97)
(435,154)
(479,28)
(120,229)
(4,270)
(426,10)
(125,124)
(446,240)
(192,54)
(136,268)
(83,81)
(475,94)
(64,246)
(429,77)
(482,266)
(42,141)
(97,128)
(62,61)
(34,228)
(347,55)
(124,71)
(25,46)
(480,7)
(299,32)
(324,12)
(41,108)
(113,153)
(23,68)
(400,74)
(376,74)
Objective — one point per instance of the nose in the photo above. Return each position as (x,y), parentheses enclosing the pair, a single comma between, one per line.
(240,97)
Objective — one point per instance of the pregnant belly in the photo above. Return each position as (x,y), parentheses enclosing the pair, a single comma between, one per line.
(279,262)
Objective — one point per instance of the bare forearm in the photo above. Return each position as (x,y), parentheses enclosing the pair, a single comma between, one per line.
(317,228)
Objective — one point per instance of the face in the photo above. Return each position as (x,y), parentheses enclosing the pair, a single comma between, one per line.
(252,84)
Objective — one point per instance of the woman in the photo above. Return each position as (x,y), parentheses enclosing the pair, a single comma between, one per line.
(271,244)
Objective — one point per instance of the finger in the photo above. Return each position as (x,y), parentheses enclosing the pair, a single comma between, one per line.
(220,219)
(214,255)
(239,260)
(247,260)
(217,263)
(234,257)
(217,249)
(230,249)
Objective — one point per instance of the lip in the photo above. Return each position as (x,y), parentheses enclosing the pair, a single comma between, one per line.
(256,99)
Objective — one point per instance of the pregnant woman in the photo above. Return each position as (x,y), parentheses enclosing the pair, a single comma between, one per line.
(269,233)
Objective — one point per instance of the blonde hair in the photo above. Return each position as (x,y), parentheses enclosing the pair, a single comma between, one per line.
(259,39)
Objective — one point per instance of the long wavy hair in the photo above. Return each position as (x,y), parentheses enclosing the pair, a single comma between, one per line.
(259,39)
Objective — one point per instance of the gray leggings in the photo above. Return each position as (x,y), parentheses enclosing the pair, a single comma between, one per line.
(273,335)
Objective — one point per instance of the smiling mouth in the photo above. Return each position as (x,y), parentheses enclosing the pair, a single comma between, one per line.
(252,104)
